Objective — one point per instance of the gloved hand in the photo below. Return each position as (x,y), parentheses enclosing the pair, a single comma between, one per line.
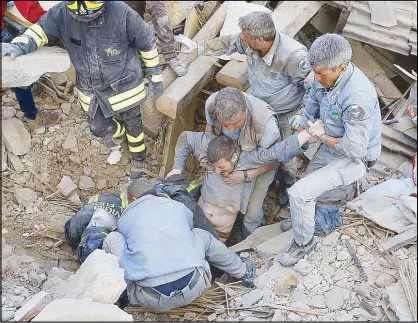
(173,172)
(316,129)
(295,121)
(249,276)
(189,46)
(155,89)
(11,50)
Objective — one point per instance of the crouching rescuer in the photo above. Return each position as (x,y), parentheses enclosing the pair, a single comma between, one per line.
(102,39)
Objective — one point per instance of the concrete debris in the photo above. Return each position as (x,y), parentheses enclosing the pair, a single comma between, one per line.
(99,278)
(85,183)
(212,317)
(70,140)
(25,196)
(101,183)
(317,301)
(80,310)
(252,297)
(189,316)
(3,158)
(59,78)
(398,302)
(7,112)
(27,69)
(331,238)
(278,316)
(303,266)
(16,163)
(311,280)
(66,185)
(334,299)
(343,255)
(274,246)
(15,136)
(293,317)
(33,307)
(384,280)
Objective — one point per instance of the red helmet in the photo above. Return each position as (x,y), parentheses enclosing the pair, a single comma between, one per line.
(85,10)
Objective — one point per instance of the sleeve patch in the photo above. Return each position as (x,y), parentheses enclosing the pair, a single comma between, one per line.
(356,113)
(303,66)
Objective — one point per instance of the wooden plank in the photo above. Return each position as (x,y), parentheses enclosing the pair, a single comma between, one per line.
(179,10)
(231,75)
(399,240)
(192,24)
(288,18)
(181,92)
(151,117)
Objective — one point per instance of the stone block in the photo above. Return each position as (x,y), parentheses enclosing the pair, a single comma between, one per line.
(27,69)
(79,310)
(16,138)
(16,163)
(66,185)
(275,246)
(33,307)
(25,196)
(252,297)
(99,279)
(85,183)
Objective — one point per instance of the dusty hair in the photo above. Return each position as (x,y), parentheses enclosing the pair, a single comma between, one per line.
(258,24)
(229,102)
(220,147)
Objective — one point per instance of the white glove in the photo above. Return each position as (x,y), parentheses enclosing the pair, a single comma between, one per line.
(189,46)
(316,129)
(173,172)
(294,122)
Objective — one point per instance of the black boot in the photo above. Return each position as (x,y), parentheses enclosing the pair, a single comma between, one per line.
(282,196)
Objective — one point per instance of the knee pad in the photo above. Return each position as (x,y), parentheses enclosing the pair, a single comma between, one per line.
(100,129)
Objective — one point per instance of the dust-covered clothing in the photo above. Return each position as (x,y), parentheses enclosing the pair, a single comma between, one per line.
(350,111)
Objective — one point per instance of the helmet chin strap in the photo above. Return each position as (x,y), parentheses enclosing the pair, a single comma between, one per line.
(86,18)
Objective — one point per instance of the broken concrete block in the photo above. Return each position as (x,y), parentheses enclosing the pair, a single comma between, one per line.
(79,310)
(66,108)
(33,307)
(278,316)
(274,246)
(27,69)
(60,273)
(3,159)
(85,183)
(70,140)
(7,113)
(334,299)
(66,186)
(15,136)
(252,297)
(16,163)
(75,199)
(331,238)
(398,302)
(25,195)
(99,278)
(384,280)
(59,78)
(101,183)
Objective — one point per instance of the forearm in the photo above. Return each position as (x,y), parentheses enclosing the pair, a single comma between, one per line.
(332,141)
(303,136)
(253,173)
(215,45)
(181,152)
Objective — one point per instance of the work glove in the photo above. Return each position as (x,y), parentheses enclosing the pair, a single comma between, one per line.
(249,276)
(155,89)
(294,122)
(12,50)
(316,129)
(189,46)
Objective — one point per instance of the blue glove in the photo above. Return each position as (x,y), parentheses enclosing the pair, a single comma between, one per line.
(11,50)
(155,89)
(249,276)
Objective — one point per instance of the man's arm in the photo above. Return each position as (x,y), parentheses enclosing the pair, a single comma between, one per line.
(299,71)
(311,111)
(227,44)
(209,122)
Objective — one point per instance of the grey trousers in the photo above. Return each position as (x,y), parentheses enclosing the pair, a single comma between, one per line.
(327,178)
(213,251)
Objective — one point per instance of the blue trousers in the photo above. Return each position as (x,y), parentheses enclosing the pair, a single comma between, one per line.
(23,94)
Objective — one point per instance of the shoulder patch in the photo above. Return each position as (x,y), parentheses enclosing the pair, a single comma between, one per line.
(303,66)
(356,112)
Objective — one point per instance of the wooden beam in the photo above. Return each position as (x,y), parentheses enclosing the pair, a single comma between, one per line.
(182,91)
(288,18)
(179,10)
(150,116)
(192,25)
(231,75)
(400,240)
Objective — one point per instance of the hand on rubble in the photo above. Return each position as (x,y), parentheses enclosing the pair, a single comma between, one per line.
(11,50)
(173,172)
(189,46)
(155,89)
(316,129)
(236,177)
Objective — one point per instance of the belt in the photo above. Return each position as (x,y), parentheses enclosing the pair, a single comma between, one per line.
(167,289)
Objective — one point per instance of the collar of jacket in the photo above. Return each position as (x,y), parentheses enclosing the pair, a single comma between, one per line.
(100,21)
(268,58)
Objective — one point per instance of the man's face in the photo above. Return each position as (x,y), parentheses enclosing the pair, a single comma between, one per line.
(251,41)
(327,77)
(236,123)
(223,167)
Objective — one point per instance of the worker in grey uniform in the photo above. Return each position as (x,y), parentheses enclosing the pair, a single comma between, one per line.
(277,73)
(251,123)
(166,260)
(220,156)
(102,39)
(346,101)
(162,24)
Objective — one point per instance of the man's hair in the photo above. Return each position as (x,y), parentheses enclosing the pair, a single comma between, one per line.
(220,147)
(330,50)
(258,24)
(229,102)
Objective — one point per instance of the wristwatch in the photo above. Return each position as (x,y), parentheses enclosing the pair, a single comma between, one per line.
(246,178)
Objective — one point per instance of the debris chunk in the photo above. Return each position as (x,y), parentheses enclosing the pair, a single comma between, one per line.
(66,185)
(25,195)
(33,307)
(86,183)
(15,136)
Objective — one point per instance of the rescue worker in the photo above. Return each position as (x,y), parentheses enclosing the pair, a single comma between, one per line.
(346,101)
(166,260)
(102,38)
(220,156)
(31,11)
(251,123)
(277,73)
(162,24)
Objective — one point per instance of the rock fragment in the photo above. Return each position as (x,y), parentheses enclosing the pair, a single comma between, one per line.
(86,183)
(252,297)
(384,280)
(33,307)
(25,196)
(334,299)
(66,185)
(16,138)
(70,140)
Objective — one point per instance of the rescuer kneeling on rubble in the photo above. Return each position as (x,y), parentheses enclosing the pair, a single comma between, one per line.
(345,100)
(102,38)
(166,260)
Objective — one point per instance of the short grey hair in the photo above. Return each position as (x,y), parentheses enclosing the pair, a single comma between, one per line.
(229,102)
(220,147)
(258,24)
(330,50)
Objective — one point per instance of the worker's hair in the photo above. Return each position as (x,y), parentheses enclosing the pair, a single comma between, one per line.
(330,50)
(220,147)
(258,24)
(229,102)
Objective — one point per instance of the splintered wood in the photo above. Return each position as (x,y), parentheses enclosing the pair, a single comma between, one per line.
(408,273)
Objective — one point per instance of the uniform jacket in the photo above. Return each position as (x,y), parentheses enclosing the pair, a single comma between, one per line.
(104,54)
(350,110)
(278,78)
(257,115)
